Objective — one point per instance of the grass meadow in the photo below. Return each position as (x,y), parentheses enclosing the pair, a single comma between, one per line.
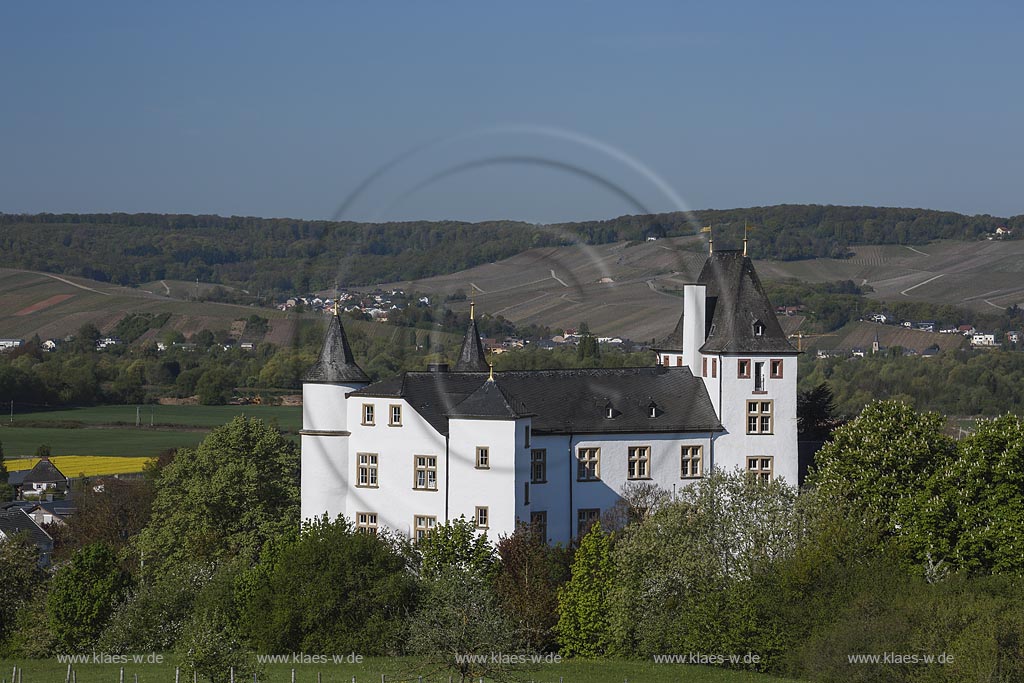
(393,670)
(111,430)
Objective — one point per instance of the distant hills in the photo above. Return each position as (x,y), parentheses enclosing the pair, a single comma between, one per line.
(258,258)
(54,306)
(633,288)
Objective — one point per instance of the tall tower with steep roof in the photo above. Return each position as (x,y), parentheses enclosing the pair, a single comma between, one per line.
(729,335)
(325,432)
(471,358)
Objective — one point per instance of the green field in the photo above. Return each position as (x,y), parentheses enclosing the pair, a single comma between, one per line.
(287,417)
(394,669)
(20,441)
(110,430)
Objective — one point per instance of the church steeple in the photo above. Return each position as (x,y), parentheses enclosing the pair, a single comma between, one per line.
(471,358)
(336,363)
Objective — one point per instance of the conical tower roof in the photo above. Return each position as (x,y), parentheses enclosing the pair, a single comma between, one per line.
(741,316)
(471,358)
(336,363)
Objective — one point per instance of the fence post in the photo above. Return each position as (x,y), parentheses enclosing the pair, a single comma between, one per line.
(177,673)
(120,676)
(231,674)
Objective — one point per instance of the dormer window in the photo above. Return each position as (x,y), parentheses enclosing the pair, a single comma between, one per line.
(609,411)
(758,328)
(652,409)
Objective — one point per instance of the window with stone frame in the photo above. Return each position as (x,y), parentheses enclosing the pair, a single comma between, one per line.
(588,464)
(426,472)
(638,462)
(691,462)
(760,417)
(367,470)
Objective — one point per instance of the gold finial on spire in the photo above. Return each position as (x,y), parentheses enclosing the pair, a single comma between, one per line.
(472,309)
(491,377)
(335,308)
(746,227)
(711,238)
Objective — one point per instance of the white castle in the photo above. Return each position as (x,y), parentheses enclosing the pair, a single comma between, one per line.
(553,448)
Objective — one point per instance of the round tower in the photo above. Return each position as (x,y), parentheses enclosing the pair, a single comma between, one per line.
(325,457)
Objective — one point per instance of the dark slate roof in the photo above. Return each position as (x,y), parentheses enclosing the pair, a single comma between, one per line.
(491,402)
(61,508)
(16,478)
(14,521)
(471,358)
(336,363)
(564,401)
(736,301)
(44,472)
(674,341)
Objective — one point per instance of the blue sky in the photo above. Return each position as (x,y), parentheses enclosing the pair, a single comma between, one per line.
(523,110)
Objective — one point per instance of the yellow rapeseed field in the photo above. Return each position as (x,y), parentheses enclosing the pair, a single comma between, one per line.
(88,465)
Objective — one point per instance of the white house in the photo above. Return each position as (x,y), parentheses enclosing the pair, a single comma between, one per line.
(983,339)
(554,448)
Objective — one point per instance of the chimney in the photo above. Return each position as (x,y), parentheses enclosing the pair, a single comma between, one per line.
(694,306)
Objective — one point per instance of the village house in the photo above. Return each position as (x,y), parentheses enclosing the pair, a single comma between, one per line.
(14,522)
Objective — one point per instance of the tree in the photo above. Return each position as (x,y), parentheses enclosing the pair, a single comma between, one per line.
(154,614)
(329,590)
(583,603)
(985,490)
(456,547)
(460,613)
(111,515)
(883,463)
(815,410)
(527,585)
(83,595)
(460,616)
(6,490)
(637,501)
(681,573)
(588,348)
(85,339)
(210,641)
(223,499)
(22,576)
(214,386)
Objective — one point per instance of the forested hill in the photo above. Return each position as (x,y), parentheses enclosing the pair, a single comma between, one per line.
(789,232)
(286,255)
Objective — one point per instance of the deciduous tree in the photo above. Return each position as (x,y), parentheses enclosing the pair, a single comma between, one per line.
(223,499)
(330,590)
(83,595)
(583,603)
